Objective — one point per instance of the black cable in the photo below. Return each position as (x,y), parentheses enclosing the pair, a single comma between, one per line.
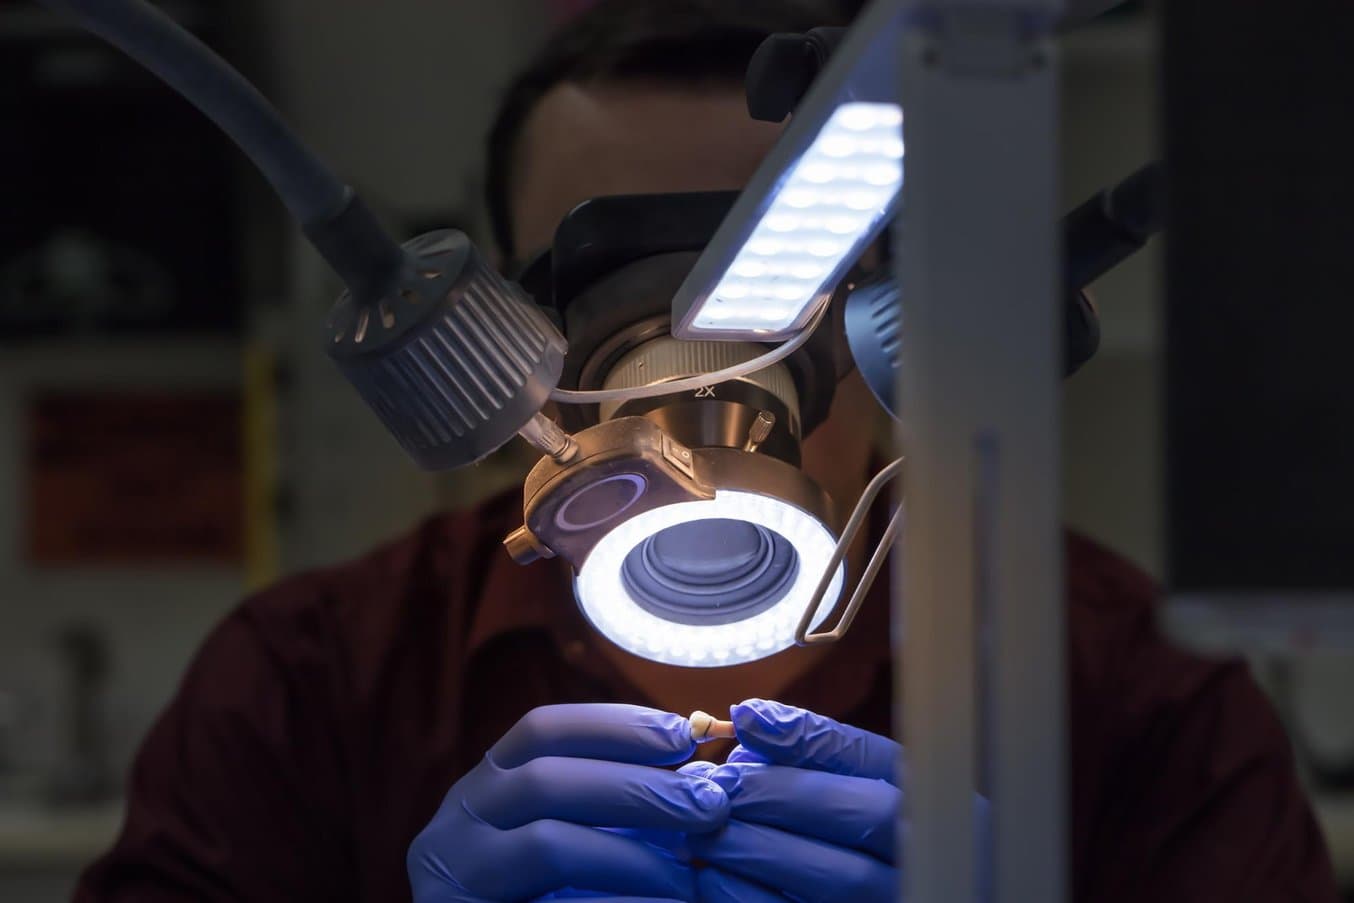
(1112,225)
(333,217)
(1137,204)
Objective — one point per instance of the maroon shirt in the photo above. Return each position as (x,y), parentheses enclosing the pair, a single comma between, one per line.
(323,721)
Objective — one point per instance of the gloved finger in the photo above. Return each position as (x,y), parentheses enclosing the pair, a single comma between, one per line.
(591,896)
(698,769)
(593,792)
(673,843)
(801,867)
(619,733)
(858,813)
(786,735)
(547,855)
(715,886)
(741,753)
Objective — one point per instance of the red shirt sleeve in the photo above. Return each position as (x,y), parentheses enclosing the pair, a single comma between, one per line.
(1192,793)
(235,793)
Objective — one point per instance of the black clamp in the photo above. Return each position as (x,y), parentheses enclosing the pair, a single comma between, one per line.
(784,66)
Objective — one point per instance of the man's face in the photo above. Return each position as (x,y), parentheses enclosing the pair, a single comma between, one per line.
(584,142)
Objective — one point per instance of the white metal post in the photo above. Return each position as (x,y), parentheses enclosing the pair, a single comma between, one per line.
(980,615)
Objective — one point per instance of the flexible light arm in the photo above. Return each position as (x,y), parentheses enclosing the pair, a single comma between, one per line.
(454,359)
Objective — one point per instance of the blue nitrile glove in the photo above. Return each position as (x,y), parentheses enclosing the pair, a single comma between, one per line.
(815,805)
(526,821)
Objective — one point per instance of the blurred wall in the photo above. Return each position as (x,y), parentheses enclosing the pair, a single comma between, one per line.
(396,96)
(1112,433)
(150,620)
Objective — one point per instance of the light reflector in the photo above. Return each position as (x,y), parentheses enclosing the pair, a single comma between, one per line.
(831,204)
(607,601)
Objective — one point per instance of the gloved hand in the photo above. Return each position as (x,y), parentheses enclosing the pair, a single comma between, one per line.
(815,806)
(528,820)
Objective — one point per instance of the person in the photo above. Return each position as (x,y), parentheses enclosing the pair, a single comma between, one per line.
(435,717)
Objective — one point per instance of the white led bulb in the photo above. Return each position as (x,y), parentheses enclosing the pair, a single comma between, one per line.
(831,203)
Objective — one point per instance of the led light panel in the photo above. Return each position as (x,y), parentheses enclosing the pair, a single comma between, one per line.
(830,205)
(603,596)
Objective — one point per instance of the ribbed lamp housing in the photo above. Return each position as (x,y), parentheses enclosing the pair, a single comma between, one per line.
(874,325)
(456,361)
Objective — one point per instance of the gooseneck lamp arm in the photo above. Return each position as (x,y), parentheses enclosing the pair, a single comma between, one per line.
(454,359)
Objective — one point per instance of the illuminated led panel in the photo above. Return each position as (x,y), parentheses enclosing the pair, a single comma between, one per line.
(829,206)
(603,596)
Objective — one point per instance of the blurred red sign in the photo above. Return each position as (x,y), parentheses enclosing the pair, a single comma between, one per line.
(134,479)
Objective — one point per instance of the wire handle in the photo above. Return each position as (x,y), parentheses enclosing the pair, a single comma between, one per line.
(691,383)
(867,578)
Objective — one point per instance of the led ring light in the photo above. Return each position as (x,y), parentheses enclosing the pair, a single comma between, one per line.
(702,556)
(717,580)
(615,605)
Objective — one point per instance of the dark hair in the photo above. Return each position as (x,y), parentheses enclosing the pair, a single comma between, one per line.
(687,42)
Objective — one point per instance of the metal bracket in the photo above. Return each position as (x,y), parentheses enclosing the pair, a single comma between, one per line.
(867,578)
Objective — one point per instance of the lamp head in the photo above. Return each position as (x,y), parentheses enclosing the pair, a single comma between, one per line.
(453,358)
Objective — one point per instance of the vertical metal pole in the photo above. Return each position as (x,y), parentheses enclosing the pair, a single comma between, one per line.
(981,606)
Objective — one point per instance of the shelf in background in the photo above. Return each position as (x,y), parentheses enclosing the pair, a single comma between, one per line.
(48,839)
